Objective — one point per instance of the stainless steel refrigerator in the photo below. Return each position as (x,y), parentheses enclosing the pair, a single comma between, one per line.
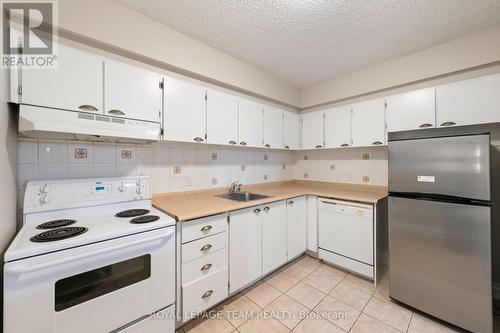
(439,228)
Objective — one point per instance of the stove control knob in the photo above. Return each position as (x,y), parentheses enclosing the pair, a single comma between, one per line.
(45,188)
(121,187)
(139,183)
(45,199)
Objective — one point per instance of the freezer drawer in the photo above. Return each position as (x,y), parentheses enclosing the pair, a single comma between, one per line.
(454,166)
(440,260)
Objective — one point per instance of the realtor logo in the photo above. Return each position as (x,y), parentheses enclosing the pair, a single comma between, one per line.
(28,34)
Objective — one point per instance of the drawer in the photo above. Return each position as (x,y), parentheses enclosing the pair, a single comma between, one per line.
(203,227)
(202,294)
(203,247)
(204,266)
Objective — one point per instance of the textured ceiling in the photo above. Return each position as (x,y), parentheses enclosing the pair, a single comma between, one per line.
(304,42)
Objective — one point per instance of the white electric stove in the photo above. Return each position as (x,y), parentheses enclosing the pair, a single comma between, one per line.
(93,255)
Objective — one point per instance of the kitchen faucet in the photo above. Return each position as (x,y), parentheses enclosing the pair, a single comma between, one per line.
(235,187)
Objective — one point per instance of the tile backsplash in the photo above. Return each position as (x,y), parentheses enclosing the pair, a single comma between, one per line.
(176,166)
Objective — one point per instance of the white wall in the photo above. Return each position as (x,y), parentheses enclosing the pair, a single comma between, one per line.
(8,166)
(105,22)
(471,51)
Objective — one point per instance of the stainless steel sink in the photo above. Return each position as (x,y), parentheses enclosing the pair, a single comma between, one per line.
(243,196)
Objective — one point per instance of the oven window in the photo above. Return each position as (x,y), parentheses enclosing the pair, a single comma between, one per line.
(83,287)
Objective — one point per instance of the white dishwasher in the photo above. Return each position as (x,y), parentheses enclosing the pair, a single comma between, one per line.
(346,235)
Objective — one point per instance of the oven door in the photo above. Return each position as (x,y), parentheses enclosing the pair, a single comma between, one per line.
(94,288)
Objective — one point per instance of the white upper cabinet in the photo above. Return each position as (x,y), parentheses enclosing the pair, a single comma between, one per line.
(338,127)
(368,123)
(132,92)
(250,123)
(291,130)
(75,85)
(475,101)
(273,127)
(185,112)
(412,110)
(222,118)
(312,130)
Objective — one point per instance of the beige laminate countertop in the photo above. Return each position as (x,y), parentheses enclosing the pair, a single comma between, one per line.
(190,205)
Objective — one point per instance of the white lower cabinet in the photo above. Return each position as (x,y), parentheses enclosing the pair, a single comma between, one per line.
(274,242)
(245,244)
(202,294)
(296,227)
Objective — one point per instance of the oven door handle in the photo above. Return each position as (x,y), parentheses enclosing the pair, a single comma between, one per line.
(28,269)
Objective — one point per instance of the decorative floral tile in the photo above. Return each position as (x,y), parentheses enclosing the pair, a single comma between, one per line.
(126,154)
(80,152)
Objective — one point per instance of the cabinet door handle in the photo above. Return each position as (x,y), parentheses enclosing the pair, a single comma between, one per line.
(267,145)
(206,267)
(243,143)
(287,147)
(448,123)
(207,294)
(266,209)
(232,142)
(376,143)
(290,203)
(198,139)
(256,211)
(318,146)
(206,228)
(425,125)
(88,107)
(344,145)
(206,247)
(117,112)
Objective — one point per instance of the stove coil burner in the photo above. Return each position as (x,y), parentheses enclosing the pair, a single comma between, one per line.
(58,234)
(56,224)
(145,219)
(132,213)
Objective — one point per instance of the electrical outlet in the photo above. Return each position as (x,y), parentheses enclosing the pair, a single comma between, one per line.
(366,179)
(214,156)
(214,181)
(306,175)
(265,177)
(366,156)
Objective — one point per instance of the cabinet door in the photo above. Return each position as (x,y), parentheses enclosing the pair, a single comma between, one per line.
(273,127)
(274,240)
(291,130)
(312,130)
(368,123)
(338,127)
(132,92)
(245,247)
(222,118)
(475,101)
(185,113)
(412,110)
(296,226)
(75,85)
(250,123)
(312,223)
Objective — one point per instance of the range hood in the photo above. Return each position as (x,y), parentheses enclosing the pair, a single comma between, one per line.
(41,122)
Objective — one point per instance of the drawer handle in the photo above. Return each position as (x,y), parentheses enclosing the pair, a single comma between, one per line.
(448,123)
(267,145)
(207,294)
(425,125)
(198,139)
(344,145)
(206,228)
(206,248)
(88,107)
(287,147)
(243,143)
(256,211)
(266,209)
(318,146)
(290,203)
(206,267)
(232,142)
(376,143)
(117,112)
